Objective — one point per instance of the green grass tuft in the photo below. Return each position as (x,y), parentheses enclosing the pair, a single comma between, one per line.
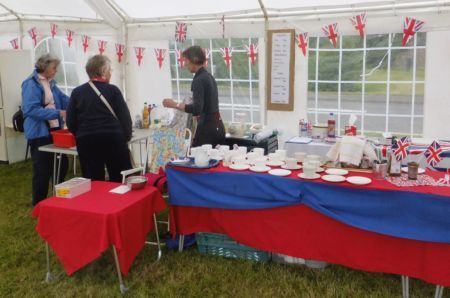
(187,274)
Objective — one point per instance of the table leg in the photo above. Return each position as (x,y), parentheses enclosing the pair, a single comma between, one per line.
(405,286)
(439,292)
(54,174)
(74,165)
(158,242)
(123,289)
(59,168)
(49,275)
(181,243)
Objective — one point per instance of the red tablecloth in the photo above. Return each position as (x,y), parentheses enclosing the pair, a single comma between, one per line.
(80,229)
(302,232)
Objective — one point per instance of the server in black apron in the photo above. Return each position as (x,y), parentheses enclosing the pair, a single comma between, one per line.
(205,106)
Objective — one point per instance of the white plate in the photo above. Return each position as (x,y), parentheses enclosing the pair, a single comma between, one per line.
(336,172)
(239,167)
(315,176)
(280,172)
(297,167)
(359,180)
(274,163)
(258,169)
(419,171)
(333,178)
(180,161)
(320,170)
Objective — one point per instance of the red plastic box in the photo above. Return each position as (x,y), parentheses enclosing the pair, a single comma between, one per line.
(63,138)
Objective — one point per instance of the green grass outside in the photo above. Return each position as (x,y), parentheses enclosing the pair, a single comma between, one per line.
(187,274)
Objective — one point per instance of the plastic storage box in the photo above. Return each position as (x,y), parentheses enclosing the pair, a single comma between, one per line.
(224,246)
(63,138)
(73,187)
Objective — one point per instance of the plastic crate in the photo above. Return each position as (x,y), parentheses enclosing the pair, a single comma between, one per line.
(63,138)
(224,246)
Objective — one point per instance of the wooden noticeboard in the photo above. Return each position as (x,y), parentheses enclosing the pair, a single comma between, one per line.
(281,62)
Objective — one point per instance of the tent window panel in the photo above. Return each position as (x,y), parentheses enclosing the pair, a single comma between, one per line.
(225,113)
(256,117)
(243,116)
(241,93)
(240,69)
(71,75)
(421,39)
(55,46)
(389,97)
(224,90)
(221,71)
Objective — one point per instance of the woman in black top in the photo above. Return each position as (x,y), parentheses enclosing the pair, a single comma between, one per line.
(101,137)
(205,106)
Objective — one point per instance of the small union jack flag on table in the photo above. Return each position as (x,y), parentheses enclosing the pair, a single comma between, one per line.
(400,148)
(433,154)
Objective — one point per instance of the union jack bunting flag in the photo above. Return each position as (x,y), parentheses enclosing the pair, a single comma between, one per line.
(400,148)
(207,53)
(139,54)
(180,59)
(160,55)
(33,34)
(433,153)
(15,43)
(69,34)
(119,51)
(302,42)
(359,23)
(227,54)
(85,42)
(252,51)
(53,29)
(180,32)
(331,31)
(410,27)
(101,46)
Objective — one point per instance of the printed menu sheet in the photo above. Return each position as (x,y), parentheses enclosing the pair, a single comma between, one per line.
(281,49)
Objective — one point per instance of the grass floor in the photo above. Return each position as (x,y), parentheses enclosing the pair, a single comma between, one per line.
(187,274)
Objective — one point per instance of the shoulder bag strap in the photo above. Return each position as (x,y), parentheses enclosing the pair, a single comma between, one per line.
(103,99)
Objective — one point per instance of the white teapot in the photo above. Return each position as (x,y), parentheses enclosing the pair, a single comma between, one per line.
(201,157)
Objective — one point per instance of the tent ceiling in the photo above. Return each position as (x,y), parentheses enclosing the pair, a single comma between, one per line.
(136,11)
(78,9)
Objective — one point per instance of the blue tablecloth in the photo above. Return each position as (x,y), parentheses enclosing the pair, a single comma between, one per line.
(406,214)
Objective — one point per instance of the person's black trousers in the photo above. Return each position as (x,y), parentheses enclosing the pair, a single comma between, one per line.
(43,168)
(99,150)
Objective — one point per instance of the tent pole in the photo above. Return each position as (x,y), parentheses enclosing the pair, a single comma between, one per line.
(266,30)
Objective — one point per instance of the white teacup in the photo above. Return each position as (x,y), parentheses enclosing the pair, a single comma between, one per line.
(259,151)
(314,163)
(193,150)
(224,148)
(239,159)
(228,157)
(313,157)
(291,163)
(213,153)
(251,156)
(260,162)
(242,149)
(274,157)
(281,153)
(299,156)
(207,147)
(309,170)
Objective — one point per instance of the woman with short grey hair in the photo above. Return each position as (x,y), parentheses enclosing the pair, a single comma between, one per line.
(102,128)
(44,108)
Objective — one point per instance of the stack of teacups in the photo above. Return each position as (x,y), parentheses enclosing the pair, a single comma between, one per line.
(299,156)
(309,169)
(291,163)
(281,154)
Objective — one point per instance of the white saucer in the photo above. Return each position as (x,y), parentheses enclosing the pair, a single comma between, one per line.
(180,161)
(333,178)
(359,180)
(297,167)
(419,170)
(315,176)
(274,163)
(320,170)
(333,171)
(239,167)
(260,169)
(280,172)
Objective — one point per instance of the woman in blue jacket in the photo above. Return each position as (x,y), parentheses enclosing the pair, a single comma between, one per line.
(44,108)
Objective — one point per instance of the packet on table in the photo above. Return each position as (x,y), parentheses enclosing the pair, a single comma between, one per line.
(73,187)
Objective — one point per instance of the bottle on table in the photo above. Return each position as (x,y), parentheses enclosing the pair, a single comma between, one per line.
(395,166)
(145,116)
(331,126)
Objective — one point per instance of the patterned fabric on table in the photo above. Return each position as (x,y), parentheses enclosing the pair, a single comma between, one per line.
(168,143)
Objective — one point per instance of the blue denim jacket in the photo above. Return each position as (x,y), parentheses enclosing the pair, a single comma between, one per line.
(36,116)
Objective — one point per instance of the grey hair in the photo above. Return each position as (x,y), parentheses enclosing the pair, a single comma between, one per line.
(45,61)
(97,66)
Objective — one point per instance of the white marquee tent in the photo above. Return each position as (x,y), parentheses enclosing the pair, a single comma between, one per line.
(151,24)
